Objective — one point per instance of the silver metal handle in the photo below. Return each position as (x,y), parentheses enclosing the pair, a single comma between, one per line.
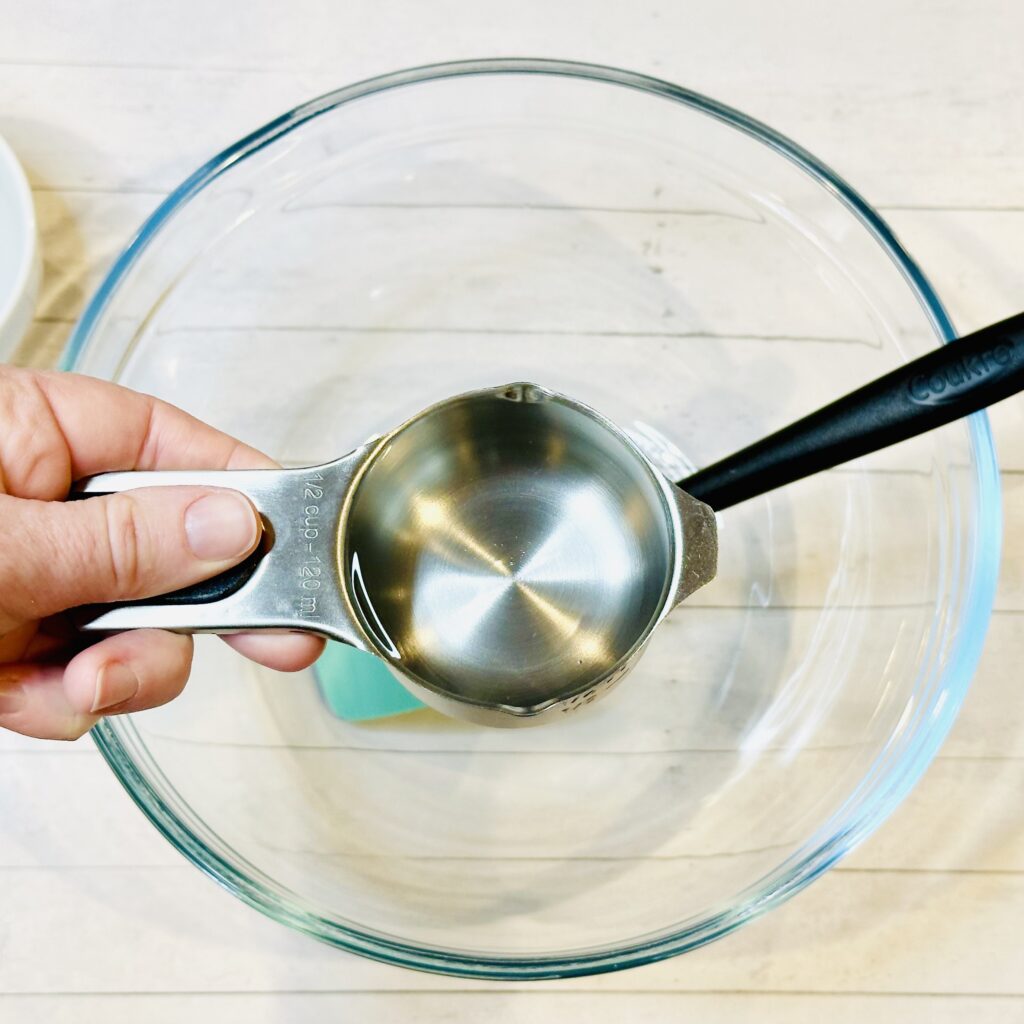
(296,582)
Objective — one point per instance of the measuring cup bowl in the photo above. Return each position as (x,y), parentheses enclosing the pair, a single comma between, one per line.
(508,552)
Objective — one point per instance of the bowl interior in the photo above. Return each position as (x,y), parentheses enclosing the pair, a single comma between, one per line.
(685,275)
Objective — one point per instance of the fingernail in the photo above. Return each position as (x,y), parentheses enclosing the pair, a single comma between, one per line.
(115,684)
(220,526)
(77,727)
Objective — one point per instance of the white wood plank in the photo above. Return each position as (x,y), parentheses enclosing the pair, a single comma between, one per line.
(1010,595)
(171,930)
(962,816)
(59,810)
(972,257)
(832,97)
(512,1006)
(991,721)
(118,131)
(516,269)
(112,32)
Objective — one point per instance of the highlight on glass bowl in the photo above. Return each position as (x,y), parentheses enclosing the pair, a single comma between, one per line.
(685,274)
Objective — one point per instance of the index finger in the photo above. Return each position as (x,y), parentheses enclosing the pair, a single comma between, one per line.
(60,427)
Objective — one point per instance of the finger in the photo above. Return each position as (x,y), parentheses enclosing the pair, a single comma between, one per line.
(60,427)
(131,671)
(117,547)
(285,652)
(33,702)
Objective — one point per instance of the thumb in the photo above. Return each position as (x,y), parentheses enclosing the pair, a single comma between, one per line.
(117,547)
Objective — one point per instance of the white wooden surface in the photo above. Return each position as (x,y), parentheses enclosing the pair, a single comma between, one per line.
(920,103)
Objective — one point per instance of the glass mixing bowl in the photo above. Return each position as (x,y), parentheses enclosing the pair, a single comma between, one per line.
(701,281)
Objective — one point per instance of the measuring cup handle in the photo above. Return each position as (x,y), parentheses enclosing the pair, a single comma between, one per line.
(290,582)
(959,378)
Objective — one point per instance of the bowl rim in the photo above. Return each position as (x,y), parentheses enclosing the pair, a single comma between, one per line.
(891,780)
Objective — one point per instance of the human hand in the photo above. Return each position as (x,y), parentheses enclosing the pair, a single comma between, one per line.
(56,428)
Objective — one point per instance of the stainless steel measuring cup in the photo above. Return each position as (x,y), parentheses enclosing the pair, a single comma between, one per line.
(507,552)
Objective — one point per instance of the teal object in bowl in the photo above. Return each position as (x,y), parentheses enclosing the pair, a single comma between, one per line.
(701,281)
(358,687)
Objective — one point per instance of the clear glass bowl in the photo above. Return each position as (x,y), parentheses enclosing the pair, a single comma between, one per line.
(700,280)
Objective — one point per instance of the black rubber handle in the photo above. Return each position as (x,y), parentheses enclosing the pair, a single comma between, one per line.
(957,379)
(215,589)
